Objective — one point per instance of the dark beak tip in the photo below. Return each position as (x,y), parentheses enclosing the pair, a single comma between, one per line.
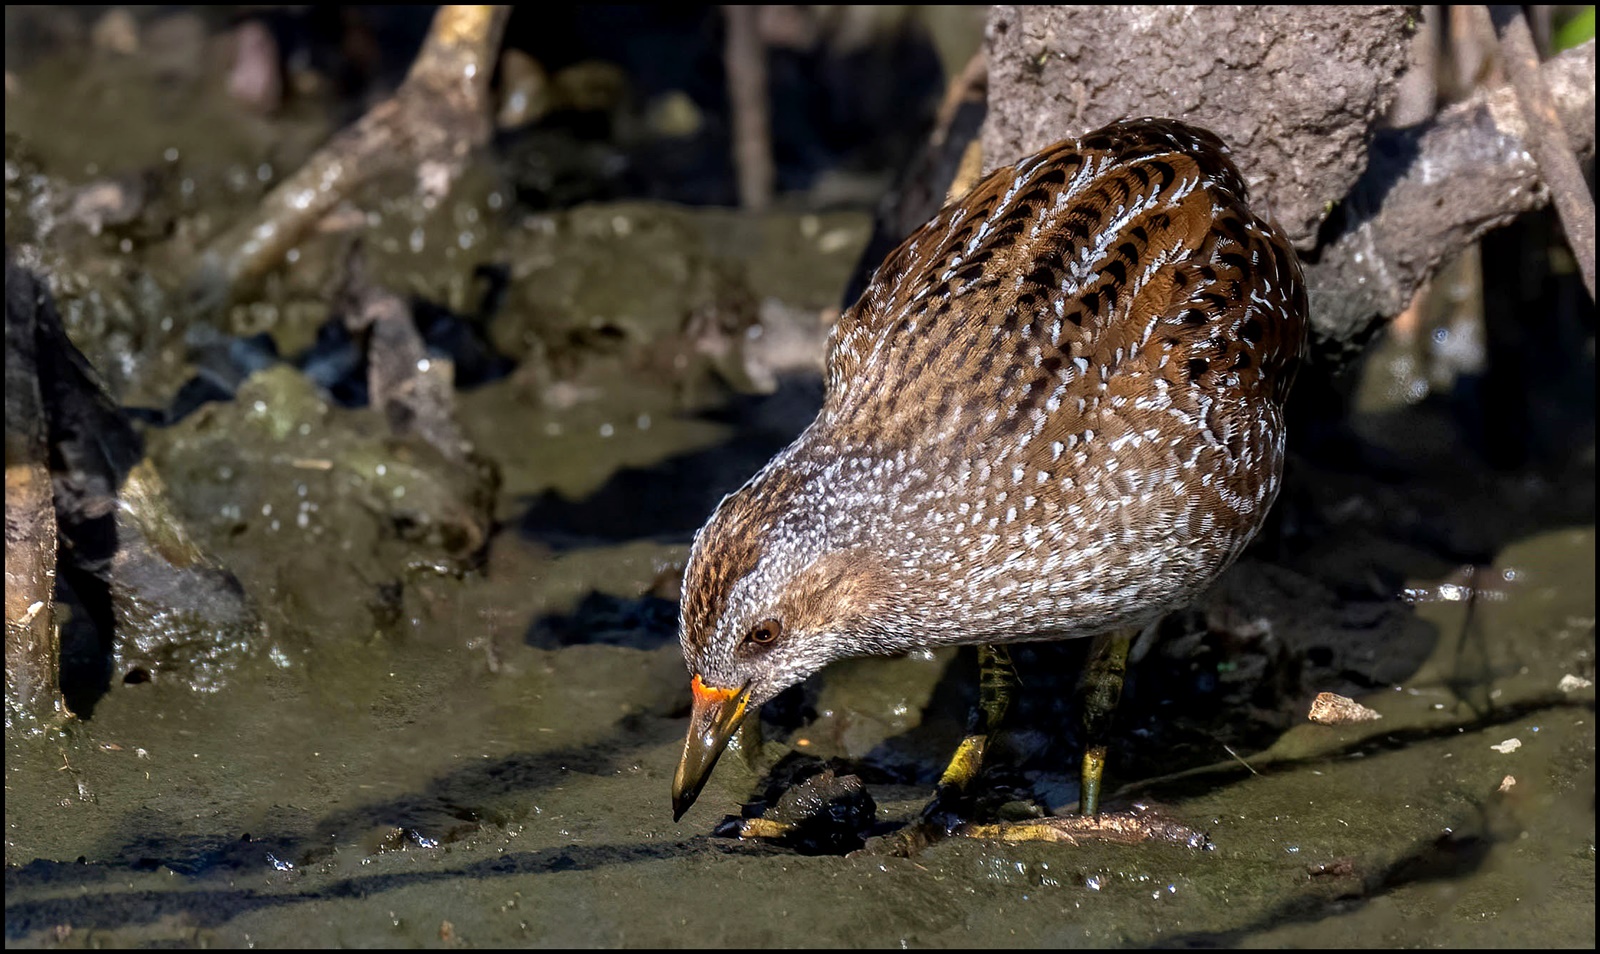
(683,799)
(713,722)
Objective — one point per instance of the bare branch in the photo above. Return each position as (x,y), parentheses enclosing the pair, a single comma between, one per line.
(746,62)
(1546,139)
(430,124)
(1429,192)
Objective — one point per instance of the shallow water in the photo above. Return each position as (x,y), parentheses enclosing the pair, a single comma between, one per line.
(418,755)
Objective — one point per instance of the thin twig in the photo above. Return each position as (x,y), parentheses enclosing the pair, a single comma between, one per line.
(945,168)
(430,124)
(1546,138)
(1241,761)
(971,83)
(746,64)
(970,86)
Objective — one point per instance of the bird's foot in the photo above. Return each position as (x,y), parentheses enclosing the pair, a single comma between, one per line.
(1118,828)
(824,814)
(907,842)
(945,815)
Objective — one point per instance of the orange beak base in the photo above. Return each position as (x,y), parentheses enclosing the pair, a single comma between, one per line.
(715,715)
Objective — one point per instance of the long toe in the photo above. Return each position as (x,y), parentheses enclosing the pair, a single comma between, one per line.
(1120,828)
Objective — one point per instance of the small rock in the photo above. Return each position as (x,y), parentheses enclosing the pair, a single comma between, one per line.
(1506,784)
(1337,868)
(590,86)
(174,45)
(823,814)
(106,202)
(1330,708)
(1571,683)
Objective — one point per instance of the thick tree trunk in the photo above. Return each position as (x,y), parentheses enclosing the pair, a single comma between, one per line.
(1297,92)
(1294,90)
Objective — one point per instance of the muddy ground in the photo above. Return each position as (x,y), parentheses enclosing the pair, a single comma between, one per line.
(436,742)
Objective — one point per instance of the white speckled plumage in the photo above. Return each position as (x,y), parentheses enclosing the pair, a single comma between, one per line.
(1057,409)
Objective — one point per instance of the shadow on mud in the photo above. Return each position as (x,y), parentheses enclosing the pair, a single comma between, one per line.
(672,499)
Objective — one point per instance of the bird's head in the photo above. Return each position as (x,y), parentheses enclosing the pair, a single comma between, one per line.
(766,603)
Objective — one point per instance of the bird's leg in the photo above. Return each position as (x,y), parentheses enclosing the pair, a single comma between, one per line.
(1101,689)
(1101,685)
(996,678)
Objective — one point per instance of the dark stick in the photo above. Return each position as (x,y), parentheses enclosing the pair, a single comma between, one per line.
(1546,138)
(746,61)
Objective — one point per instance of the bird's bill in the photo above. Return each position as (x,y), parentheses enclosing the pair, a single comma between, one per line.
(712,721)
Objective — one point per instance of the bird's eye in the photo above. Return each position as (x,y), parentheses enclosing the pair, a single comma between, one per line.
(765,632)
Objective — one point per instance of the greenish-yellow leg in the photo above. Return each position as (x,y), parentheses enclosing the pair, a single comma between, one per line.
(1101,686)
(996,678)
(1101,689)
